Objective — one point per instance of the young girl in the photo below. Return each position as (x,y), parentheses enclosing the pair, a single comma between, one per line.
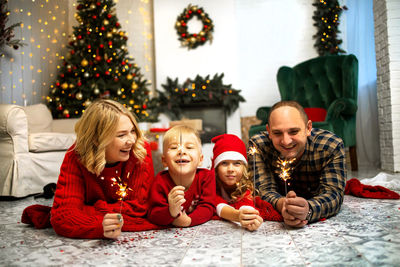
(234,199)
(105,177)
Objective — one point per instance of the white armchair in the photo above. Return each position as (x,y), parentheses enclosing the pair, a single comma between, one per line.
(32,148)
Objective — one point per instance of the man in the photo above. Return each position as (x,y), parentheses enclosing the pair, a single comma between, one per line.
(317,174)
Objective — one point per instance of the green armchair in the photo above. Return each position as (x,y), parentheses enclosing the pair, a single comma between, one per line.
(328,82)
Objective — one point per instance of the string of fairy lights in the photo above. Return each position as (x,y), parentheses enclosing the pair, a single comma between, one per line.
(27,73)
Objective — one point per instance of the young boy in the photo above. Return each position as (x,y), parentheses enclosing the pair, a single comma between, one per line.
(183,195)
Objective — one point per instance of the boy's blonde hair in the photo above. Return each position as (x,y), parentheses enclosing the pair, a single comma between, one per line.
(178,130)
(96,129)
(244,184)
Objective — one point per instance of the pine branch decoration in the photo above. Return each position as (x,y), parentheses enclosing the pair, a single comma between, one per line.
(200,91)
(7,33)
(326,17)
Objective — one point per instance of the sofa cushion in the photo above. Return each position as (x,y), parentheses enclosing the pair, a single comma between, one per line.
(315,114)
(39,118)
(44,142)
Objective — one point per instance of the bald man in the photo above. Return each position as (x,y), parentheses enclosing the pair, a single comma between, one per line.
(318,170)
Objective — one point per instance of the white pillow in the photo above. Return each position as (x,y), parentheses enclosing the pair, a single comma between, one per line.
(39,118)
(45,142)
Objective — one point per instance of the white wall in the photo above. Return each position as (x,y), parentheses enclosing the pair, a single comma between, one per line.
(242,47)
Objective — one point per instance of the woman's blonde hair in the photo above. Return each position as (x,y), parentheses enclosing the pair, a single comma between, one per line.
(96,129)
(244,184)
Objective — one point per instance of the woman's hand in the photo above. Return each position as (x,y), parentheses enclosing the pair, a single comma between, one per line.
(176,198)
(250,219)
(112,225)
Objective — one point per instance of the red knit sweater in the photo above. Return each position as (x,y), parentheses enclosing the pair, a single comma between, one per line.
(267,212)
(246,200)
(199,197)
(82,199)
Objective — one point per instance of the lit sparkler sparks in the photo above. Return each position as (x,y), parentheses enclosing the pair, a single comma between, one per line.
(285,170)
(123,189)
(253,151)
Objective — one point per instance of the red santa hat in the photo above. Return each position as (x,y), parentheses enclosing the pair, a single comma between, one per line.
(228,147)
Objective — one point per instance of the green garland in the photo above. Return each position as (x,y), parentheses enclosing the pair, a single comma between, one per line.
(197,92)
(193,40)
(326,17)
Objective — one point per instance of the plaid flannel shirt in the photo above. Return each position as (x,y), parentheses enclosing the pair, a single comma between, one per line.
(319,176)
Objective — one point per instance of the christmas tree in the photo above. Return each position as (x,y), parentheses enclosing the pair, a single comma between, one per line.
(97,66)
(326,17)
(7,33)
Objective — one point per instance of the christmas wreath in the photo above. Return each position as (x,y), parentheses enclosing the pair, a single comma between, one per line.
(196,92)
(193,40)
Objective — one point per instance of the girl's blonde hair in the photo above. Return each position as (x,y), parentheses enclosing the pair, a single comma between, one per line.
(96,129)
(244,184)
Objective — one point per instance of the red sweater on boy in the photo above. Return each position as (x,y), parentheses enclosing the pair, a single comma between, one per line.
(199,205)
(82,199)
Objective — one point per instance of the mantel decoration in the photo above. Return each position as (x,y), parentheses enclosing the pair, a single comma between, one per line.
(197,92)
(193,40)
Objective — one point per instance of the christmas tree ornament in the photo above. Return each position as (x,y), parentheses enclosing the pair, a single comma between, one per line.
(64,86)
(87,103)
(79,96)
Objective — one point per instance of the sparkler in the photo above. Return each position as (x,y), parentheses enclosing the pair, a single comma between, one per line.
(253,151)
(123,189)
(285,170)
(180,149)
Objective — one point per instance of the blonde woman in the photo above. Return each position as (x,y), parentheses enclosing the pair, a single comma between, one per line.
(105,177)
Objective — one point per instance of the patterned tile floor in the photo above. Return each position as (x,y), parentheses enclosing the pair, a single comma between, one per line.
(366,232)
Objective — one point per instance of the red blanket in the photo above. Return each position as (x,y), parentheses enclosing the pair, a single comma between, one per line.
(356,188)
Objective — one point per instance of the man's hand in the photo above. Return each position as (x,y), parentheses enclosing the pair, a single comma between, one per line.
(176,198)
(112,225)
(250,219)
(294,210)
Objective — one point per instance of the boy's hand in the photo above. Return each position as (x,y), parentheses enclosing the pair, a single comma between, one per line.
(176,198)
(182,221)
(112,225)
(250,219)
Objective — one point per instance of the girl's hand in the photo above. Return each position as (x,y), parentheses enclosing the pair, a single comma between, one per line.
(255,224)
(250,219)
(112,225)
(176,198)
